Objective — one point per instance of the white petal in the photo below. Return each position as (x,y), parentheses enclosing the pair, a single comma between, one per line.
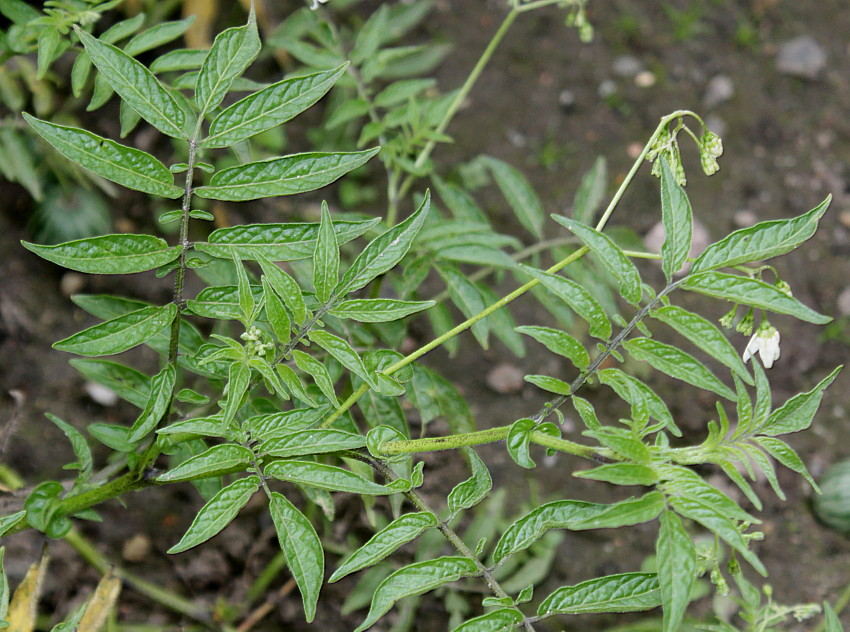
(753,347)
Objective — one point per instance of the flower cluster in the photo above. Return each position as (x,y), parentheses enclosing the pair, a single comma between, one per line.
(254,343)
(711,148)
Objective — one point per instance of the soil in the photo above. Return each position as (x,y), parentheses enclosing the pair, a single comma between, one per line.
(539,107)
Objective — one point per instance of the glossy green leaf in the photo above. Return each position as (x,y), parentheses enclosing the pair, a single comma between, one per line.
(7,522)
(621,474)
(286,288)
(49,44)
(678,221)
(519,194)
(238,384)
(704,335)
(434,396)
(577,298)
(644,401)
(500,620)
(232,52)
(345,354)
(684,482)
(179,59)
(787,456)
(328,477)
(677,569)
(221,459)
(136,85)
(319,373)
(378,310)
(385,251)
(559,342)
(287,175)
(416,579)
(624,513)
(123,165)
(221,302)
(797,413)
(270,107)
(611,257)
(81,447)
(129,384)
(276,242)
(159,401)
(112,436)
(717,523)
(748,291)
(590,192)
(271,426)
(302,548)
(473,490)
(119,334)
(518,441)
(551,384)
(276,313)
(399,532)
(199,427)
(762,241)
(109,254)
(627,592)
(316,441)
(157,35)
(218,513)
(678,364)
(325,258)
(466,297)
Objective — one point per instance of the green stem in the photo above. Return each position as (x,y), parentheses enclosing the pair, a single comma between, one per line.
(166,598)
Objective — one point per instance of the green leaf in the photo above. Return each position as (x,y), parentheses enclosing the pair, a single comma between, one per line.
(286,288)
(318,372)
(677,569)
(748,291)
(678,364)
(378,310)
(831,622)
(624,513)
(644,401)
(473,490)
(345,354)
(136,85)
(109,254)
(238,383)
(315,441)
(497,621)
(762,241)
(621,474)
(468,300)
(678,221)
(577,298)
(119,334)
(270,107)
(232,52)
(179,59)
(79,444)
(276,242)
(200,427)
(399,532)
(112,436)
(218,513)
(519,194)
(519,439)
(302,548)
(276,312)
(217,461)
(123,165)
(717,523)
(627,592)
(590,192)
(287,175)
(129,384)
(704,335)
(551,384)
(684,482)
(611,257)
(416,579)
(797,413)
(325,258)
(400,92)
(221,302)
(7,522)
(328,477)
(157,35)
(786,455)
(267,427)
(559,342)
(157,405)
(48,46)
(385,251)
(434,396)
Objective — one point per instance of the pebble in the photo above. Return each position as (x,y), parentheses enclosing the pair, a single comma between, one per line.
(801,57)
(607,88)
(567,99)
(699,242)
(137,548)
(72,283)
(744,218)
(506,379)
(626,66)
(716,124)
(645,79)
(844,301)
(719,90)
(104,396)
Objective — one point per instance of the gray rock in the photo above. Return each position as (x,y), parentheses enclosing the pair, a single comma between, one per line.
(719,90)
(506,379)
(801,57)
(844,302)
(626,66)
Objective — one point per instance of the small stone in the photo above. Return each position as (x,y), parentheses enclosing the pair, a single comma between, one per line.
(744,218)
(633,150)
(106,397)
(567,99)
(505,379)
(516,138)
(626,66)
(719,90)
(71,283)
(137,548)
(645,79)
(801,57)
(716,125)
(844,218)
(607,88)
(844,301)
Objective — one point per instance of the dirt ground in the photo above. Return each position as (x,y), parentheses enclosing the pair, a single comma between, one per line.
(549,105)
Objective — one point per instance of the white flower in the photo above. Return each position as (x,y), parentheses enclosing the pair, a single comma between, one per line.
(765,342)
(314,4)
